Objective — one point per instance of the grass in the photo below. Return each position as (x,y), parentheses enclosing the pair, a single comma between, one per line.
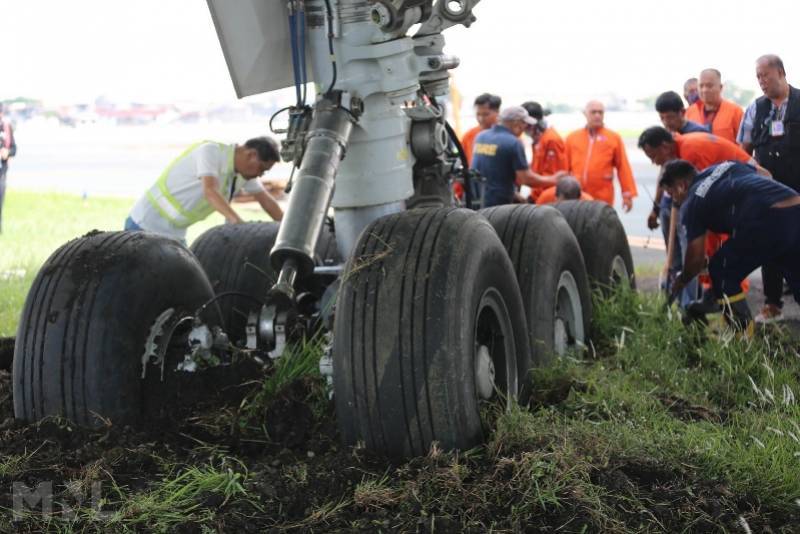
(35,224)
(658,428)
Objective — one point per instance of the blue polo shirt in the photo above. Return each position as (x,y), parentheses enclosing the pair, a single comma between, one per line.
(498,155)
(693,127)
(728,196)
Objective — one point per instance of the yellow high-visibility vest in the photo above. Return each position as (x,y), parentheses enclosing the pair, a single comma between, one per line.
(170,208)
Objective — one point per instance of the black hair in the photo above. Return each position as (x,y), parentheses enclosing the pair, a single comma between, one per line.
(267,148)
(492,101)
(669,101)
(534,109)
(654,137)
(677,169)
(568,188)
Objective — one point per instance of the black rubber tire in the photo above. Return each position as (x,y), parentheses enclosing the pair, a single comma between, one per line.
(542,247)
(602,239)
(235,257)
(406,331)
(85,322)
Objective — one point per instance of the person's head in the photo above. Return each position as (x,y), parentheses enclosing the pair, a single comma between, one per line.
(677,179)
(516,119)
(690,92)
(710,86)
(658,144)
(536,111)
(594,112)
(771,76)
(671,111)
(487,107)
(256,157)
(568,188)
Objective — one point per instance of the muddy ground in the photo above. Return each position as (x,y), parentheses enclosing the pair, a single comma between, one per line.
(299,477)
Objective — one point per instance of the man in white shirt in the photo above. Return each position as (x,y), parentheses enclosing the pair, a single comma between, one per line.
(203,180)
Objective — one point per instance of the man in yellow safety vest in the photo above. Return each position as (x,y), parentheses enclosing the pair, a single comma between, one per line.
(202,180)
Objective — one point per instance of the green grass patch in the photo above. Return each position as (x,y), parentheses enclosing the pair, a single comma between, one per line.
(35,224)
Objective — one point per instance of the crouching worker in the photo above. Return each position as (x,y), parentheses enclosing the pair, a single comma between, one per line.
(203,180)
(761,215)
(567,188)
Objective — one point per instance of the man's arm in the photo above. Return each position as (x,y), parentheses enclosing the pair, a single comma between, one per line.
(269,205)
(625,175)
(693,264)
(528,177)
(760,170)
(745,135)
(652,218)
(217,201)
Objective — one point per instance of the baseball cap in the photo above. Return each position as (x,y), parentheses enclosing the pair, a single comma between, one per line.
(536,110)
(517,113)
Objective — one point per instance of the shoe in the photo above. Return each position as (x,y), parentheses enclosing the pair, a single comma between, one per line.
(770,313)
(697,310)
(738,315)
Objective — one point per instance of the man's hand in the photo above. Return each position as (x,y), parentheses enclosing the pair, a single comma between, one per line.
(627,202)
(4,153)
(677,286)
(652,220)
(218,202)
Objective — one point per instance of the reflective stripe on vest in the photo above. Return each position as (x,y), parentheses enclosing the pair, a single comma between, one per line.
(170,208)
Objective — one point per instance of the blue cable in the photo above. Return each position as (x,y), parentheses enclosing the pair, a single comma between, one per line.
(295,58)
(303,72)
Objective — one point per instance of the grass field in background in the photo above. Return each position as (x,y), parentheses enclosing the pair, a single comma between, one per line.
(35,224)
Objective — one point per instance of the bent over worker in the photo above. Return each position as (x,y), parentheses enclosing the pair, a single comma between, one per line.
(500,157)
(594,152)
(761,215)
(203,180)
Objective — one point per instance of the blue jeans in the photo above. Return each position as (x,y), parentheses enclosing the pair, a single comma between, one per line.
(131,226)
(690,292)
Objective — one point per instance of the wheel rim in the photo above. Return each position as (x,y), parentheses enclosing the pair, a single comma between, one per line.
(569,330)
(619,270)
(494,353)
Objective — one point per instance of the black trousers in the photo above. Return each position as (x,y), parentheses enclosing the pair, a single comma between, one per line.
(773,238)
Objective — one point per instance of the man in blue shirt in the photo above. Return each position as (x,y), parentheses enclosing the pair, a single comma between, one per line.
(672,113)
(761,215)
(498,155)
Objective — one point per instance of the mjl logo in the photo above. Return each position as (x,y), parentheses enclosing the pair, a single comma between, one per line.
(27,501)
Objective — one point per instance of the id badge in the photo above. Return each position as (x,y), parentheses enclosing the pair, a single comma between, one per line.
(776,129)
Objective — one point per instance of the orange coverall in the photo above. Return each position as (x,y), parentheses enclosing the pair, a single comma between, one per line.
(549,157)
(725,123)
(548,196)
(591,159)
(467,143)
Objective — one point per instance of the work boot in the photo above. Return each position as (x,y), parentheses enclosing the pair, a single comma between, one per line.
(698,309)
(737,313)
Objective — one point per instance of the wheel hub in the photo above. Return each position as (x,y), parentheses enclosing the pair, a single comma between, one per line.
(484,372)
(569,330)
(619,271)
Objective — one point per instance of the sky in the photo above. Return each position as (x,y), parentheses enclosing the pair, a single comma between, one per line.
(167,50)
